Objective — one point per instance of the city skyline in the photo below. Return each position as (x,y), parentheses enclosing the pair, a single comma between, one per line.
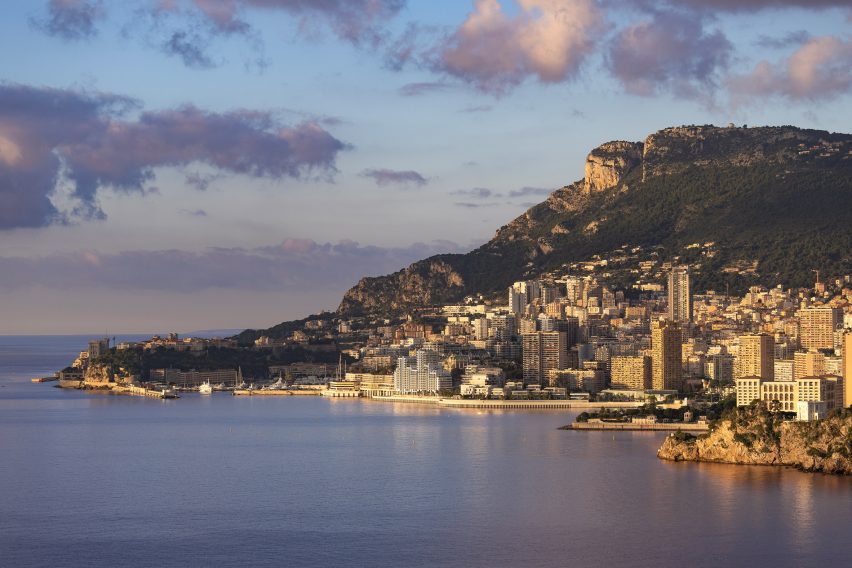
(195,164)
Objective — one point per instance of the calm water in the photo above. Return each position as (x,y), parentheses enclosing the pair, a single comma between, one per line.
(99,480)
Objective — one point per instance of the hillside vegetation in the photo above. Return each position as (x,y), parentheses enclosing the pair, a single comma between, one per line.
(775,199)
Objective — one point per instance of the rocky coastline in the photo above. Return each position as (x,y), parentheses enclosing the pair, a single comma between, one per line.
(754,436)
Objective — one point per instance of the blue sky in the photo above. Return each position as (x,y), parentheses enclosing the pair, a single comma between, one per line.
(184,164)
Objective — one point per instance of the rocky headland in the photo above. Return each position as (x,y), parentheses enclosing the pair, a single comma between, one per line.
(754,436)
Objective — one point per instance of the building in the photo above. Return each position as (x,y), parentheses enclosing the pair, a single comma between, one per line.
(680,295)
(543,351)
(666,371)
(630,373)
(785,395)
(817,326)
(98,347)
(372,384)
(720,367)
(808,364)
(194,378)
(573,380)
(784,369)
(847,370)
(757,356)
(423,373)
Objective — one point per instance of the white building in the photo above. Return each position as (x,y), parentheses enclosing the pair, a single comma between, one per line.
(423,373)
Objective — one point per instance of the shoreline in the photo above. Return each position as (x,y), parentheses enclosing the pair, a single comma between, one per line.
(631,427)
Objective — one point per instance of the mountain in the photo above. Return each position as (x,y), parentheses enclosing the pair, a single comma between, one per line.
(771,203)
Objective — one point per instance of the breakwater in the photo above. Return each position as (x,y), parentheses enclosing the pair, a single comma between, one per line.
(507,404)
(631,426)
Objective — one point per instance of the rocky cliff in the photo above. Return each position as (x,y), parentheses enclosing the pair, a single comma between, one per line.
(774,199)
(423,283)
(757,437)
(608,164)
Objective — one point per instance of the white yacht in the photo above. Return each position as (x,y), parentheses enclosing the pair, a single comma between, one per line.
(205,388)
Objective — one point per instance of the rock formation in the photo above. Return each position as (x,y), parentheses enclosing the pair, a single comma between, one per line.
(608,164)
(756,437)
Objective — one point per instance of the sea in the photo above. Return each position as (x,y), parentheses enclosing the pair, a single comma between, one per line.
(100,480)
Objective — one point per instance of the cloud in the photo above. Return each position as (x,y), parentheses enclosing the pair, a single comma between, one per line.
(395,177)
(779,42)
(820,69)
(547,40)
(417,89)
(190,48)
(356,21)
(477,193)
(293,265)
(476,108)
(71,19)
(757,5)
(670,51)
(200,181)
(470,205)
(527,191)
(54,139)
(194,213)
(185,28)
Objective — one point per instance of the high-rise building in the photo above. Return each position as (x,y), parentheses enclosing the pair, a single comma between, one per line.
(666,371)
(808,364)
(421,373)
(757,356)
(633,373)
(543,351)
(720,367)
(817,326)
(517,301)
(680,294)
(847,370)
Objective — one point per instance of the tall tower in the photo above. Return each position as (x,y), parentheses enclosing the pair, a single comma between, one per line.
(817,326)
(757,356)
(680,294)
(543,351)
(666,369)
(847,370)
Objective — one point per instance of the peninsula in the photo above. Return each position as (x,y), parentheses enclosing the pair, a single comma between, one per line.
(755,436)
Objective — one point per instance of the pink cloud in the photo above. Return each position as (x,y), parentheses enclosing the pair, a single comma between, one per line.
(548,40)
(819,69)
(91,140)
(670,51)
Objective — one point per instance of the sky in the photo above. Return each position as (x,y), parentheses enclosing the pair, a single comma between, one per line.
(171,165)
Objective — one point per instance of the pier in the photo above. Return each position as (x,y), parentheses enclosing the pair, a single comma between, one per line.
(143,391)
(631,426)
(508,404)
(277,392)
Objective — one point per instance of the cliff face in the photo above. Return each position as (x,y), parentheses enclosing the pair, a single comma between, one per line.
(422,283)
(758,438)
(97,376)
(608,164)
(763,195)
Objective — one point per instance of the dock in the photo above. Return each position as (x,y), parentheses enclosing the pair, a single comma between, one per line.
(277,392)
(44,379)
(507,404)
(142,391)
(638,427)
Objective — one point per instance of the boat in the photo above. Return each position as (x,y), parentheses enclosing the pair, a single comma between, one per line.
(205,388)
(277,385)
